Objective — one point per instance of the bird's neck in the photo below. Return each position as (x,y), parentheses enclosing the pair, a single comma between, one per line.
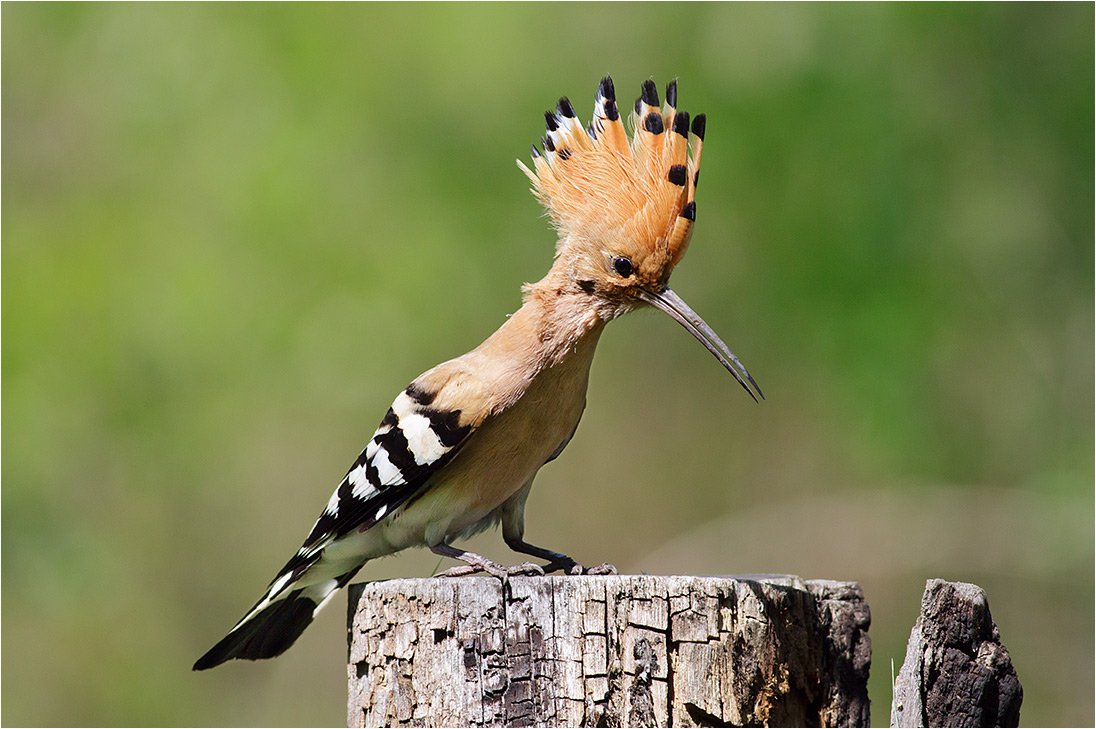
(555,323)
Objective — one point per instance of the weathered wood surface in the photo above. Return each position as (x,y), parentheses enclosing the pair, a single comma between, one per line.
(956,671)
(608,651)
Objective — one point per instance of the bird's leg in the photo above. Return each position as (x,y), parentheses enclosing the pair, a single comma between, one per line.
(474,563)
(556,560)
(512,515)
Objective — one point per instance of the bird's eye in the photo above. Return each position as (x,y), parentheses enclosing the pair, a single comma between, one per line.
(623,266)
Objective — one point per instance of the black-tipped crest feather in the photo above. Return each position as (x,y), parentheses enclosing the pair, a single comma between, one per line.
(650,93)
(606,89)
(681,123)
(699,123)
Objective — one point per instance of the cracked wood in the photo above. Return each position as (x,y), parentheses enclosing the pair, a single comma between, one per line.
(608,651)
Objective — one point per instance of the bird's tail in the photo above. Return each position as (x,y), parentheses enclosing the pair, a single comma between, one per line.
(275,622)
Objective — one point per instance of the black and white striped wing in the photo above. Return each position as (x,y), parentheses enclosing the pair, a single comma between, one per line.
(412,443)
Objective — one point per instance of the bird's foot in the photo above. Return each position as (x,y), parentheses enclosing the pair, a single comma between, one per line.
(557,561)
(571,567)
(528,569)
(480,566)
(474,564)
(461,571)
(477,564)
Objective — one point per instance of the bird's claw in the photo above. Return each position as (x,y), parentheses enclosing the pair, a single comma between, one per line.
(528,569)
(602,569)
(574,568)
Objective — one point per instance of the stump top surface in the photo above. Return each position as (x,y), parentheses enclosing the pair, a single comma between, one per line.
(832,588)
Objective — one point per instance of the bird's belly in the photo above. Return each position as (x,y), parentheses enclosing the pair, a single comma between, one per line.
(502,456)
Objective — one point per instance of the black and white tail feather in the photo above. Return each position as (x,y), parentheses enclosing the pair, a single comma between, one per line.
(412,443)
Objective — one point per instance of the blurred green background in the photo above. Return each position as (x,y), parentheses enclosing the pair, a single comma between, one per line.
(231,234)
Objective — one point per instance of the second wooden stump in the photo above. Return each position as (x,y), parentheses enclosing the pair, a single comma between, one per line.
(608,651)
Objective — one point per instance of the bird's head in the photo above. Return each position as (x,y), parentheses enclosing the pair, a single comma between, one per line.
(625,207)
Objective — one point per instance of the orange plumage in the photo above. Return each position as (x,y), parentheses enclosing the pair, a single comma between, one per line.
(603,190)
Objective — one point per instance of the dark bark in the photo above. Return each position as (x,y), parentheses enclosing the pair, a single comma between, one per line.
(956,672)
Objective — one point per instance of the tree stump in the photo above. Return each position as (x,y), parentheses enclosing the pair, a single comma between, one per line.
(956,671)
(608,651)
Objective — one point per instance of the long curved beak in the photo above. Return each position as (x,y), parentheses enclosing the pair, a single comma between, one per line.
(682,313)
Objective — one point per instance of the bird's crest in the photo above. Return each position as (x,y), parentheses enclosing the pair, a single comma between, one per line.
(596,183)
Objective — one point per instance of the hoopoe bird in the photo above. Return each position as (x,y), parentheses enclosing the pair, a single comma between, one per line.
(458,450)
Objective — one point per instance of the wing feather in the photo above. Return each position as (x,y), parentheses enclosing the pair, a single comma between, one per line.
(412,443)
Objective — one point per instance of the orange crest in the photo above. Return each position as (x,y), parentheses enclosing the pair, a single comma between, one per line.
(598,185)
